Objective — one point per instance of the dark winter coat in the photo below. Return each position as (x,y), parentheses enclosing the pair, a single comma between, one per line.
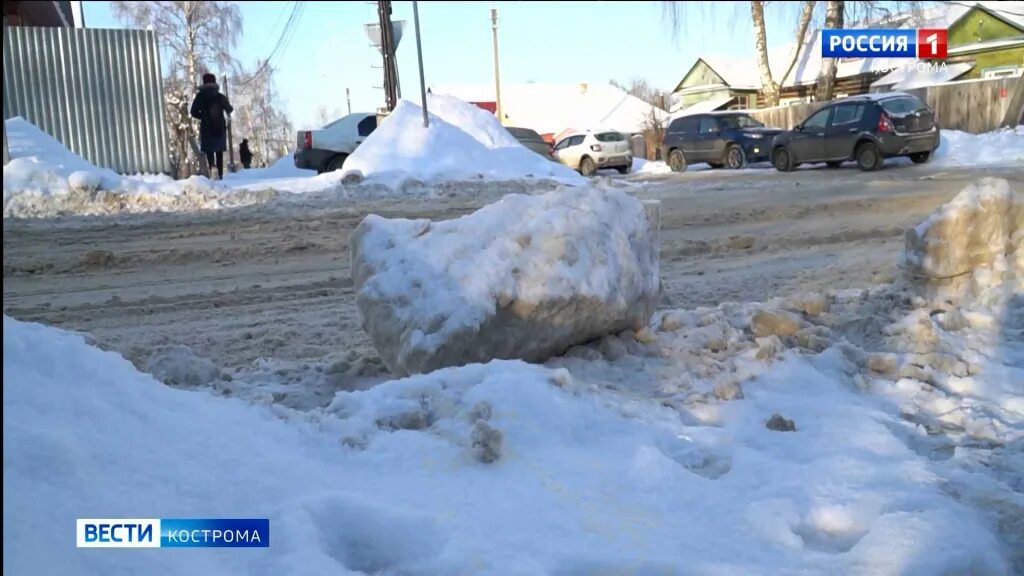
(244,154)
(213,134)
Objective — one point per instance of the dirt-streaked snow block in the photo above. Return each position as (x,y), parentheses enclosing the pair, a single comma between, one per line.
(527,277)
(978,228)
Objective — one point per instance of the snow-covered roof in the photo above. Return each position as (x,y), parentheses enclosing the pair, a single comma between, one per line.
(738,73)
(550,108)
(743,74)
(913,77)
(704,106)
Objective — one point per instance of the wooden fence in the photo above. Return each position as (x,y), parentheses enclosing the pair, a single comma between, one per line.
(973,106)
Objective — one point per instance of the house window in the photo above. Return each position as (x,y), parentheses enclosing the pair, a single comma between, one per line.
(742,103)
(1002,72)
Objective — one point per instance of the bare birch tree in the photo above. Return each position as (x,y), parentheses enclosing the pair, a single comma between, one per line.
(826,84)
(194,36)
(801,36)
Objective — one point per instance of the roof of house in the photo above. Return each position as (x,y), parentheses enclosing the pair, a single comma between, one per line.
(550,108)
(743,74)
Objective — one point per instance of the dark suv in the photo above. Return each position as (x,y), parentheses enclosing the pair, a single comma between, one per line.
(867,129)
(729,139)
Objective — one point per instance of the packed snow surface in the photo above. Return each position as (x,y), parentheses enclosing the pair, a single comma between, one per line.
(462,141)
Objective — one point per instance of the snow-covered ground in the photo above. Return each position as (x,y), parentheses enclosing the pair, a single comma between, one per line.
(646,452)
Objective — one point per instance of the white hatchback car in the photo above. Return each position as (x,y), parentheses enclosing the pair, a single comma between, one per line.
(590,151)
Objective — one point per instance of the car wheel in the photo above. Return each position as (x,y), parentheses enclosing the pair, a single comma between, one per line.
(676,161)
(781,159)
(920,157)
(587,166)
(834,164)
(336,163)
(624,169)
(869,157)
(734,157)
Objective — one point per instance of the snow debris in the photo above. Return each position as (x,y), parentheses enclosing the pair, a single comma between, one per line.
(780,423)
(180,367)
(526,277)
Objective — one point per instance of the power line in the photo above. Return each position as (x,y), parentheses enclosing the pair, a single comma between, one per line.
(287,33)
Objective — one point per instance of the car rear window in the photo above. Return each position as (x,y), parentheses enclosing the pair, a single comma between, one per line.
(610,137)
(739,121)
(902,105)
(523,133)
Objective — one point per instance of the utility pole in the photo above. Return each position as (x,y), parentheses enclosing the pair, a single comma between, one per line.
(388,51)
(348,99)
(419,56)
(497,73)
(231,146)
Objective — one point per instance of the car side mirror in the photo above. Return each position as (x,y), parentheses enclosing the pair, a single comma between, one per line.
(798,128)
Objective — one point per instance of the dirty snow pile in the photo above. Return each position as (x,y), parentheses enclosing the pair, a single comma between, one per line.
(462,142)
(526,277)
(999,147)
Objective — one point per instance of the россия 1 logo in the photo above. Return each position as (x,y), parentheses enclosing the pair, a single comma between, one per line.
(884,43)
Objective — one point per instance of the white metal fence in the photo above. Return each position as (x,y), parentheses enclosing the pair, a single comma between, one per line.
(99,92)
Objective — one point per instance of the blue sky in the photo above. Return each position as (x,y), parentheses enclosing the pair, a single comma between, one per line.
(538,41)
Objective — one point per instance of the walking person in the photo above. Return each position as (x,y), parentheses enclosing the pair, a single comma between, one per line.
(244,154)
(210,107)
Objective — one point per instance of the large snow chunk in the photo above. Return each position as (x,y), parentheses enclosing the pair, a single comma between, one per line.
(462,141)
(978,228)
(526,277)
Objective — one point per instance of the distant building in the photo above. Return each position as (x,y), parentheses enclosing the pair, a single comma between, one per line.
(47,13)
(553,108)
(986,40)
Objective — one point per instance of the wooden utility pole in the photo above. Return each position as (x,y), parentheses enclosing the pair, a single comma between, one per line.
(387,45)
(348,99)
(497,72)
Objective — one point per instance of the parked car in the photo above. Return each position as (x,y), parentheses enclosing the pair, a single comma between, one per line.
(589,151)
(533,141)
(326,149)
(866,129)
(730,139)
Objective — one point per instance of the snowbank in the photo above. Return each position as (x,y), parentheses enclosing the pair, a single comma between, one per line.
(394,479)
(526,277)
(40,162)
(1000,147)
(462,142)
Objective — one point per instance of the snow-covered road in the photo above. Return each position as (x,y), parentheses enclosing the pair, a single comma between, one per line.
(264,290)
